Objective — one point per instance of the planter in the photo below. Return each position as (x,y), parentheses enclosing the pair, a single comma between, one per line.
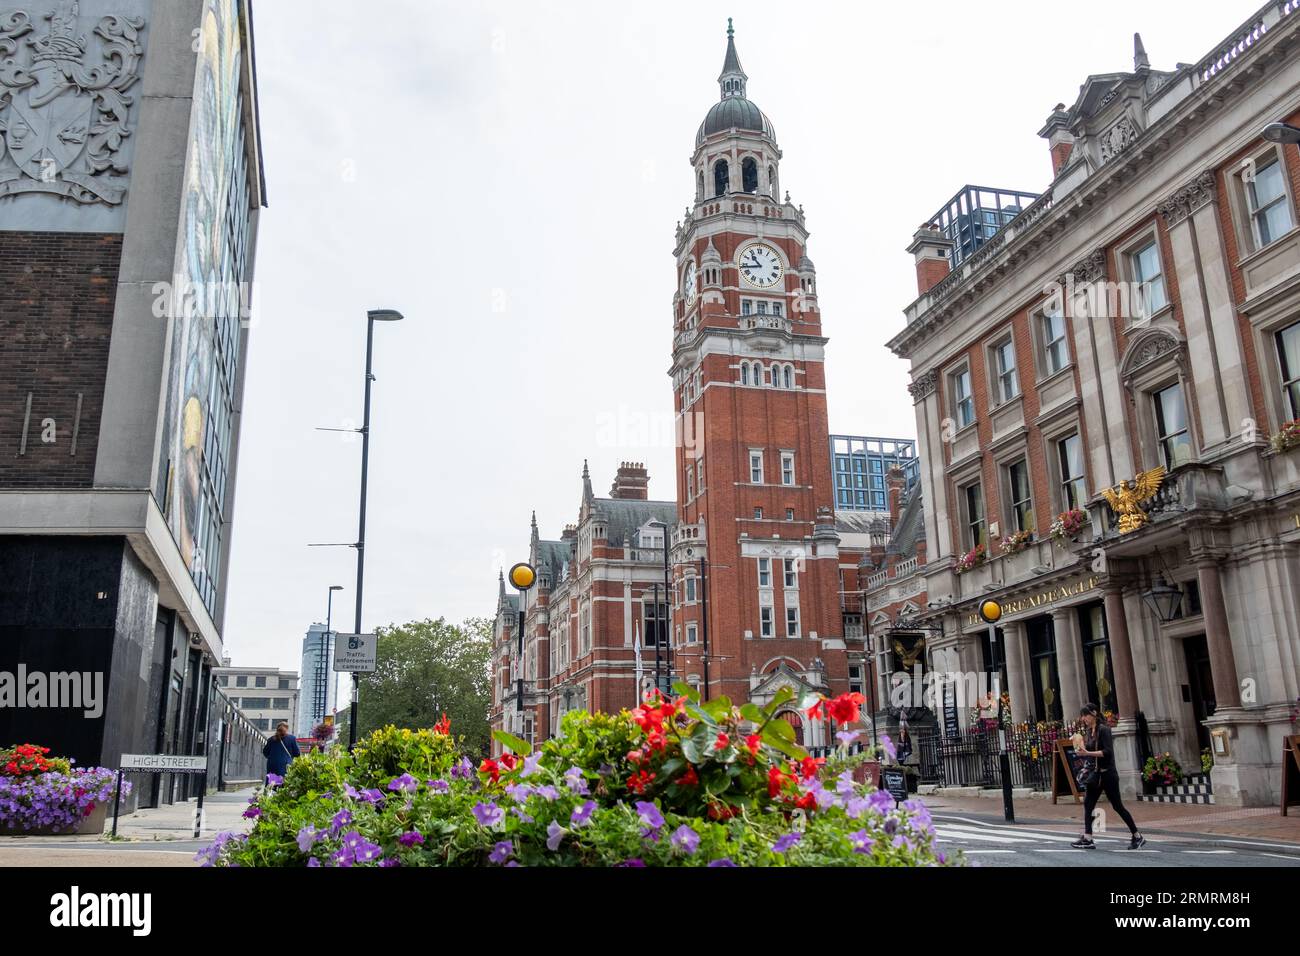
(92,824)
(868,772)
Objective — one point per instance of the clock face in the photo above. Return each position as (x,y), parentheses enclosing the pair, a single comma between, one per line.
(688,282)
(760,266)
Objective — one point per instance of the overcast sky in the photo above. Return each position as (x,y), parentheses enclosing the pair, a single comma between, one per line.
(509,176)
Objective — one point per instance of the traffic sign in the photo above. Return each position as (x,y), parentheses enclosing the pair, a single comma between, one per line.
(355,653)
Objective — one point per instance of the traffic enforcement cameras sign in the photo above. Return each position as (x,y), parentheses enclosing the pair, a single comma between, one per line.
(355,653)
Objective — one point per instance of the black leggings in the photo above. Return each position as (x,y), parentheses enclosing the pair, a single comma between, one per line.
(1109,784)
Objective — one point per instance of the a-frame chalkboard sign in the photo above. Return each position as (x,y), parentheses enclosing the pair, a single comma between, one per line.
(1290,773)
(1063,784)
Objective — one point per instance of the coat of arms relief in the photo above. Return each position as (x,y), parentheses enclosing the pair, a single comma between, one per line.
(64,103)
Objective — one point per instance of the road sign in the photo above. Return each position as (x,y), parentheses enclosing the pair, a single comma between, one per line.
(355,653)
(164,763)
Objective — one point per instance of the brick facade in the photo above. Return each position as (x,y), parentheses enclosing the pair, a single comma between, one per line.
(57,294)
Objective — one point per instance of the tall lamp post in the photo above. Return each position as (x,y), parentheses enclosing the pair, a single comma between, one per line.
(668,626)
(375,315)
(990,613)
(322,665)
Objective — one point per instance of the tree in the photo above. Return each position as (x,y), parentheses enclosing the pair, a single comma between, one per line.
(427,668)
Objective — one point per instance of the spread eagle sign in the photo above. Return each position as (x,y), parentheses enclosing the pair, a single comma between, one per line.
(1126,498)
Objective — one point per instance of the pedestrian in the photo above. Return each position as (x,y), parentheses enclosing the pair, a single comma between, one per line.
(280,750)
(1099,745)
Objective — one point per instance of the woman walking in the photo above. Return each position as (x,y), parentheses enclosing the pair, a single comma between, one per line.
(1098,745)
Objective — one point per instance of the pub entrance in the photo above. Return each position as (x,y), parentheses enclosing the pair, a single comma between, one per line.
(1199,689)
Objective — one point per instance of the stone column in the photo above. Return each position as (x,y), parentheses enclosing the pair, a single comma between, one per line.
(1121,653)
(1019,683)
(1222,662)
(1069,662)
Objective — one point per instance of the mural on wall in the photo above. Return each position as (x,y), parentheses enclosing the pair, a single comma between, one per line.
(209,260)
(64,106)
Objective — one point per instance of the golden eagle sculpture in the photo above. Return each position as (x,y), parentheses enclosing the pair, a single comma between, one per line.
(1126,499)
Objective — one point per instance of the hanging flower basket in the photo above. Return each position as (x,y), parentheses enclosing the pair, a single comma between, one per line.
(1288,437)
(1017,542)
(970,560)
(1068,526)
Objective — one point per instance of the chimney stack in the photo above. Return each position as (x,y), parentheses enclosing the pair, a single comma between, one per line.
(1059,138)
(933,253)
(631,482)
(896,483)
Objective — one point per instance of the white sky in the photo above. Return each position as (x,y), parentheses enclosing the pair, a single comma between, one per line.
(508,175)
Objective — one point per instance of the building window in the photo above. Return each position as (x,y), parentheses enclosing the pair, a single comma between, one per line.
(973,499)
(1288,353)
(758,514)
(1270,213)
(749,175)
(260,682)
(787,468)
(789,514)
(756,467)
(654,623)
(241,681)
(1073,489)
(721,173)
(744,373)
(1149,295)
(1099,675)
(855,678)
(699,475)
(765,622)
(776,308)
(764,572)
(1022,506)
(1004,363)
(1042,668)
(1171,427)
(791,569)
(585,642)
(963,402)
(762,307)
(792,622)
(1055,351)
(692,634)
(690,482)
(746,307)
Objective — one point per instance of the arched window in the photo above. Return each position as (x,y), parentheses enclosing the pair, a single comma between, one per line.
(699,188)
(749,175)
(771,181)
(744,373)
(721,174)
(788,376)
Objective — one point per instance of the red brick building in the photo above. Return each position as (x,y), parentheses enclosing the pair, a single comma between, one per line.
(757,575)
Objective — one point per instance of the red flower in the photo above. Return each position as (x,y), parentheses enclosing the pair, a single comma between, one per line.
(443,726)
(509,761)
(808,769)
(808,802)
(815,710)
(689,778)
(634,757)
(490,767)
(775,780)
(844,709)
(656,740)
(639,781)
(751,743)
(721,811)
(722,742)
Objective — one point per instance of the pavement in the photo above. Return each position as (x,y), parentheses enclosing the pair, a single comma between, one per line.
(162,836)
(1181,835)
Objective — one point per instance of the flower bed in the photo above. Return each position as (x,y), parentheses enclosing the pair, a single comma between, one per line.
(671,783)
(56,802)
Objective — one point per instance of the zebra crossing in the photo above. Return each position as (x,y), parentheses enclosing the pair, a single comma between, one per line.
(985,843)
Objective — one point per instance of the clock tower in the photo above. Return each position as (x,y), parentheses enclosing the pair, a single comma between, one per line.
(756,554)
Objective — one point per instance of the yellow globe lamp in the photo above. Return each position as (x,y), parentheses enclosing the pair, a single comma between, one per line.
(990,612)
(522,576)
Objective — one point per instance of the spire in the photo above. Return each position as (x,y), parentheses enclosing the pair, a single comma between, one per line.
(534,537)
(732,79)
(587,494)
(501,584)
(1140,58)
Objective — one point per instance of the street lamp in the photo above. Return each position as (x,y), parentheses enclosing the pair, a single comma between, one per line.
(522,576)
(375,315)
(990,613)
(1281,133)
(1163,599)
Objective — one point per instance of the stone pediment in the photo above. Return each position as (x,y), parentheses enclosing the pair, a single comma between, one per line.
(782,676)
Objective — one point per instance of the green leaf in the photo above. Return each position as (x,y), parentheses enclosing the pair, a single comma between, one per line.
(779,728)
(717,784)
(683,689)
(691,749)
(671,767)
(752,713)
(808,700)
(518,747)
(717,708)
(783,696)
(785,746)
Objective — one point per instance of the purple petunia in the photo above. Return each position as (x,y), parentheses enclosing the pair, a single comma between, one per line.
(488,814)
(575,781)
(880,801)
(862,842)
(519,812)
(341,819)
(501,852)
(720,864)
(307,838)
(463,770)
(684,838)
(581,816)
(786,842)
(313,863)
(274,779)
(888,747)
(856,806)
(438,786)
(403,783)
(372,796)
(351,792)
(649,814)
(530,765)
(634,862)
(554,834)
(390,861)
(519,791)
(844,785)
(547,792)
(252,813)
(356,849)
(847,737)
(410,839)
(891,826)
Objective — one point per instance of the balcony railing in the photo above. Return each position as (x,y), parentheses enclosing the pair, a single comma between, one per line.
(1188,489)
(778,322)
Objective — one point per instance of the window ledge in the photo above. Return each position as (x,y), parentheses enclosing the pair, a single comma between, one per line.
(1146,322)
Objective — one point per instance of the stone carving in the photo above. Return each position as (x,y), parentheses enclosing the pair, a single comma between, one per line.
(64,108)
(1201,190)
(923,385)
(1118,138)
(1150,347)
(1091,268)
